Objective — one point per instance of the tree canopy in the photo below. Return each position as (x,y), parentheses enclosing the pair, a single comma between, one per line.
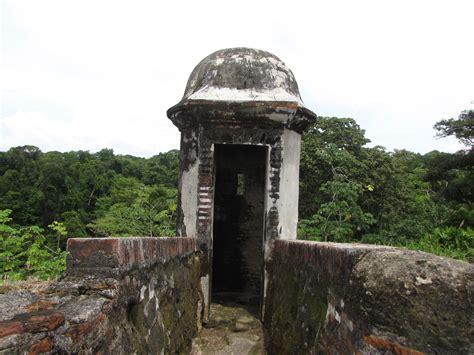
(462,128)
(352,193)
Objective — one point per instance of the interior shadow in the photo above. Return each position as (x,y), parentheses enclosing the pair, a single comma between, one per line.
(238,229)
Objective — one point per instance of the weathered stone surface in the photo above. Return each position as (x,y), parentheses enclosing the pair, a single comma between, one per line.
(239,96)
(43,346)
(32,322)
(9,343)
(38,321)
(346,298)
(112,256)
(42,304)
(420,297)
(84,309)
(15,302)
(10,328)
(323,298)
(150,306)
(242,74)
(241,327)
(220,337)
(384,345)
(246,82)
(197,190)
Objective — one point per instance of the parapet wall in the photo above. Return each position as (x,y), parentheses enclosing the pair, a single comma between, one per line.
(120,296)
(350,298)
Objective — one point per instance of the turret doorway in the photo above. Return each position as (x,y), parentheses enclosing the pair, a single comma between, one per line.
(238,229)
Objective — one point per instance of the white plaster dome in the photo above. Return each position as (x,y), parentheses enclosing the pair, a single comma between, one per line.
(242,74)
(245,85)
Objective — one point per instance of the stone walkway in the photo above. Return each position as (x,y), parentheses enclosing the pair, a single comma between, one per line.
(232,330)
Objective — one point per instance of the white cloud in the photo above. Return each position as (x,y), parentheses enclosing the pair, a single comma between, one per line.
(94,74)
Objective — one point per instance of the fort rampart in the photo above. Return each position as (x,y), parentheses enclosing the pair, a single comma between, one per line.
(141,295)
(120,296)
(352,298)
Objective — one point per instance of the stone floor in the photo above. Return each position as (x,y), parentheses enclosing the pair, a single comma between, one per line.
(233,329)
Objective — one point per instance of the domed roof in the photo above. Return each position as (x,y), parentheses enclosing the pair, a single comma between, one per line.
(242,74)
(242,84)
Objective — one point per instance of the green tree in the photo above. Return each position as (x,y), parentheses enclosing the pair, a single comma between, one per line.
(162,169)
(330,146)
(340,218)
(18,184)
(462,128)
(332,181)
(135,209)
(451,175)
(350,192)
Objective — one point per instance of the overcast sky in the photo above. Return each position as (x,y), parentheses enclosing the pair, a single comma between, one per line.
(101,74)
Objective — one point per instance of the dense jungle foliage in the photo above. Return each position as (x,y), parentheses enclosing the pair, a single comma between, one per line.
(352,193)
(348,193)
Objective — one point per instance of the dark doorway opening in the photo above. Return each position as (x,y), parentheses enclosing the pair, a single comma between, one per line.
(237,263)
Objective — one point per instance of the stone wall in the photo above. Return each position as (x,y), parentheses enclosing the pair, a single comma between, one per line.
(350,298)
(120,296)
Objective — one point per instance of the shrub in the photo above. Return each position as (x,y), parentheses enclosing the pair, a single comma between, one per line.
(448,241)
(27,251)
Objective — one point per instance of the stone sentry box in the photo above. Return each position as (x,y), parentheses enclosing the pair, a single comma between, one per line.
(241,120)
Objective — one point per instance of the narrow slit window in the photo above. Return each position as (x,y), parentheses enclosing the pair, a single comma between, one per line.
(240,184)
